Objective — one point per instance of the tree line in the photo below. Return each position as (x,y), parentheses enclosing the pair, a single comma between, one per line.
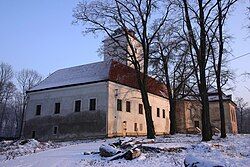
(184,45)
(13,98)
(243,115)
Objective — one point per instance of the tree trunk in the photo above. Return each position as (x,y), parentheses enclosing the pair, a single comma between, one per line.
(147,108)
(218,73)
(222,113)
(171,104)
(241,119)
(206,126)
(22,121)
(201,57)
(148,114)
(172,116)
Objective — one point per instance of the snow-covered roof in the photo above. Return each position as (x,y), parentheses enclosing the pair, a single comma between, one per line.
(76,75)
(215,97)
(97,72)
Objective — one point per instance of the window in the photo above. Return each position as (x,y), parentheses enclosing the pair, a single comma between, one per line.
(57,108)
(119,105)
(92,104)
(38,109)
(55,130)
(158,112)
(163,113)
(33,135)
(196,124)
(135,127)
(140,109)
(77,105)
(128,106)
(141,127)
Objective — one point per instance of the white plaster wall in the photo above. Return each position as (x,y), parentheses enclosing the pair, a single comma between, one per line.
(116,118)
(67,96)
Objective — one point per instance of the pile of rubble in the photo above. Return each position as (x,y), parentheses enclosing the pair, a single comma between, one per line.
(130,148)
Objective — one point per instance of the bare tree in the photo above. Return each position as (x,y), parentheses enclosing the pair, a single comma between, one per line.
(171,64)
(6,74)
(8,94)
(195,25)
(26,80)
(216,40)
(16,105)
(6,91)
(241,107)
(200,18)
(135,19)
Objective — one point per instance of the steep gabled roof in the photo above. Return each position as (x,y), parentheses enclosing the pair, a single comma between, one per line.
(97,72)
(75,75)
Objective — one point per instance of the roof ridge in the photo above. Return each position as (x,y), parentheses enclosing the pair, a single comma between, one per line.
(80,65)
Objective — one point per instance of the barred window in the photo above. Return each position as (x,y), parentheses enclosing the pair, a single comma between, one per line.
(77,105)
(38,109)
(158,112)
(57,108)
(92,104)
(140,109)
(119,105)
(128,106)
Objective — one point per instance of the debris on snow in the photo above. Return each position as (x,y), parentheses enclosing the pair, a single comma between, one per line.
(132,154)
(108,150)
(165,151)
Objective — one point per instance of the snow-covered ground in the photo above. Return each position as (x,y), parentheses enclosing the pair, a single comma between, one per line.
(233,151)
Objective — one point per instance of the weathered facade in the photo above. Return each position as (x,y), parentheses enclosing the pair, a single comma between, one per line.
(95,100)
(188,115)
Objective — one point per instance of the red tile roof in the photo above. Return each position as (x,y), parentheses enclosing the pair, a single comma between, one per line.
(125,75)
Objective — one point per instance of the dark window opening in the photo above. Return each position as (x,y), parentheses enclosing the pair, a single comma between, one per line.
(33,135)
(57,108)
(119,105)
(158,112)
(128,106)
(55,130)
(140,109)
(92,104)
(163,113)
(196,124)
(77,105)
(38,109)
(135,127)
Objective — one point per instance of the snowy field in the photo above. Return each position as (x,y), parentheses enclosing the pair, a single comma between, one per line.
(230,152)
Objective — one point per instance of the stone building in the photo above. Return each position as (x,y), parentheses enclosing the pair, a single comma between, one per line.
(188,114)
(95,100)
(103,100)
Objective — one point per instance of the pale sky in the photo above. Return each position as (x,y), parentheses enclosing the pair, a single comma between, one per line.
(39,35)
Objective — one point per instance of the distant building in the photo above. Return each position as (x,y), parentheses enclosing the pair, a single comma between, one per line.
(188,114)
(94,100)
